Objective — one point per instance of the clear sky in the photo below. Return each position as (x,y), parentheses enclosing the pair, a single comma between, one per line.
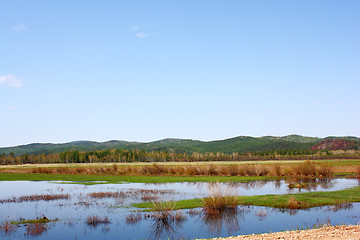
(201,69)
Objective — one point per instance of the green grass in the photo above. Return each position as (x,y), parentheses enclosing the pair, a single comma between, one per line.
(32,221)
(117,178)
(306,200)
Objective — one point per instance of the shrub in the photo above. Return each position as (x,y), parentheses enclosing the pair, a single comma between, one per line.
(324,171)
(219,200)
(277,170)
(293,203)
(212,170)
(262,171)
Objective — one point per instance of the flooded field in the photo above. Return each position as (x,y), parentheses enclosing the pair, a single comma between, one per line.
(77,211)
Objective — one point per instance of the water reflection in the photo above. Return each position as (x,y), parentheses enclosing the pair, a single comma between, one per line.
(278,184)
(227,219)
(309,184)
(340,206)
(73,212)
(163,226)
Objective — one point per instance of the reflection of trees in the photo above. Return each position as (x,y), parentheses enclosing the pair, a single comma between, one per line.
(228,218)
(309,184)
(326,183)
(340,206)
(291,212)
(277,184)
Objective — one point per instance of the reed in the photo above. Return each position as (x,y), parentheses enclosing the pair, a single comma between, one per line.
(36,228)
(276,169)
(219,200)
(100,195)
(324,170)
(35,198)
(94,221)
(163,210)
(133,218)
(305,169)
(292,203)
(7,227)
(115,167)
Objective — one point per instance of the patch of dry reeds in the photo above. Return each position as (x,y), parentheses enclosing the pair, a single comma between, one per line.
(94,221)
(154,169)
(305,169)
(118,194)
(7,227)
(324,171)
(115,167)
(262,170)
(276,169)
(36,228)
(133,218)
(35,198)
(219,200)
(293,203)
(162,210)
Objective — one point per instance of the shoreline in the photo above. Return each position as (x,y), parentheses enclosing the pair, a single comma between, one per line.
(343,232)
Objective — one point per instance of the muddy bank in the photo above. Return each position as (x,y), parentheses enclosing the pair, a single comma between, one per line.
(344,232)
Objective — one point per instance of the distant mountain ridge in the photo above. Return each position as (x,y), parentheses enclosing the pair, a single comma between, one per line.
(238,144)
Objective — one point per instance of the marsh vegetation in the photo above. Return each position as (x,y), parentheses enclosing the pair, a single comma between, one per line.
(215,208)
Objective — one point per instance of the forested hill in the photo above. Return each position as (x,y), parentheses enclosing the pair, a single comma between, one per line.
(237,144)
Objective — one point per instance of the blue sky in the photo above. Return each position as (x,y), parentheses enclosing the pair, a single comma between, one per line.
(204,69)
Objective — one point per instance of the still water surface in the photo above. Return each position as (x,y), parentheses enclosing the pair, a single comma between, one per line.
(73,213)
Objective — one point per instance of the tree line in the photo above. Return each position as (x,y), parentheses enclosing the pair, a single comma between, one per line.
(128,156)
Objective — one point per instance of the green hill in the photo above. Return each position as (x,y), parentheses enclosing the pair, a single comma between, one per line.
(237,144)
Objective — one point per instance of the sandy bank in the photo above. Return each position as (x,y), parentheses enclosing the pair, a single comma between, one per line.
(344,232)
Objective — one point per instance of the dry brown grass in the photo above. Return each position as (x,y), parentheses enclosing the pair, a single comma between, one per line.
(154,169)
(219,200)
(115,167)
(241,168)
(7,227)
(304,169)
(133,218)
(94,221)
(324,170)
(36,228)
(276,170)
(118,194)
(162,210)
(293,203)
(179,216)
(35,198)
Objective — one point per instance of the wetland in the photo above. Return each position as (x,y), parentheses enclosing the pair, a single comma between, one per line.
(92,210)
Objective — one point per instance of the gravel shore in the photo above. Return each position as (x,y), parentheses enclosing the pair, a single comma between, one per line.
(344,232)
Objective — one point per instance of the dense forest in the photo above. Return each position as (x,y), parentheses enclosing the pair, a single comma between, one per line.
(127,156)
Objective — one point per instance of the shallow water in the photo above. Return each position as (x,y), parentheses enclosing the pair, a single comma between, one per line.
(74,212)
